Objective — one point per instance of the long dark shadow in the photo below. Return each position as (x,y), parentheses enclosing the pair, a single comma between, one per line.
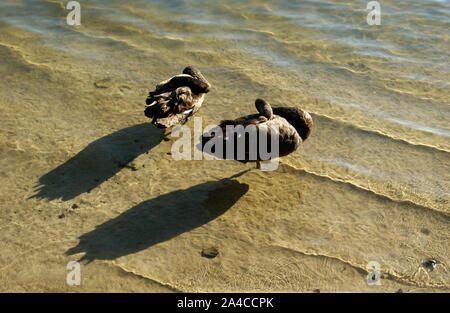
(159,219)
(96,163)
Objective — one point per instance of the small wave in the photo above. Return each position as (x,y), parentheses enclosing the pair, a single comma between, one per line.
(428,129)
(381,133)
(25,61)
(390,274)
(134,273)
(356,186)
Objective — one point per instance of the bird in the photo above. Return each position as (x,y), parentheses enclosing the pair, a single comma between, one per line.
(294,127)
(176,99)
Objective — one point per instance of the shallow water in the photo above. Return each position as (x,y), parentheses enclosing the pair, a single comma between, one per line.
(370,184)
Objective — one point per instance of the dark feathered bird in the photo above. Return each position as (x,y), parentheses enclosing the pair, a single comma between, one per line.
(294,127)
(174,100)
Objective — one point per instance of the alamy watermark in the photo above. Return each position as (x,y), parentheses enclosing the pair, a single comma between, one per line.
(74,16)
(374,276)
(374,16)
(73,278)
(249,143)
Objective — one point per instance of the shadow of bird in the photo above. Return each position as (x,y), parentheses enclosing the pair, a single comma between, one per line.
(96,163)
(160,219)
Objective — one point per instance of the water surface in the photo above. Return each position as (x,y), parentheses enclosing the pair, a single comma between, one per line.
(370,184)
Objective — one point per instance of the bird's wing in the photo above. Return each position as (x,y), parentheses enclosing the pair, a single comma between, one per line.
(251,143)
(160,105)
(253,119)
(182,80)
(184,100)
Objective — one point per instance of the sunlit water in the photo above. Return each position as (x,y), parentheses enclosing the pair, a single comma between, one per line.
(370,184)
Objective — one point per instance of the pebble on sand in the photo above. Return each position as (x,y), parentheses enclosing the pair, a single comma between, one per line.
(103,83)
(430,263)
(210,252)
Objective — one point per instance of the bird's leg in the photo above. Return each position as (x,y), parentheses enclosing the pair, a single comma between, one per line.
(165,135)
(258,165)
(185,121)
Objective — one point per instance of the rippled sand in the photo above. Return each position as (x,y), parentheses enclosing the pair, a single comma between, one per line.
(83,176)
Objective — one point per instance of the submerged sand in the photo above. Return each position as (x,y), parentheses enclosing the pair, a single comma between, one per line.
(84,176)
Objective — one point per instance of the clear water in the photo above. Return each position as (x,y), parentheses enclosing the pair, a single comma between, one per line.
(371,183)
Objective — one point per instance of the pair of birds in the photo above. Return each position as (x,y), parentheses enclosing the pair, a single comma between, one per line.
(175,100)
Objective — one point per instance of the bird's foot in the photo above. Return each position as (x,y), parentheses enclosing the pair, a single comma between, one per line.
(185,121)
(165,135)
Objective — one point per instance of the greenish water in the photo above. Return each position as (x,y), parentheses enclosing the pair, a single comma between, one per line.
(370,184)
